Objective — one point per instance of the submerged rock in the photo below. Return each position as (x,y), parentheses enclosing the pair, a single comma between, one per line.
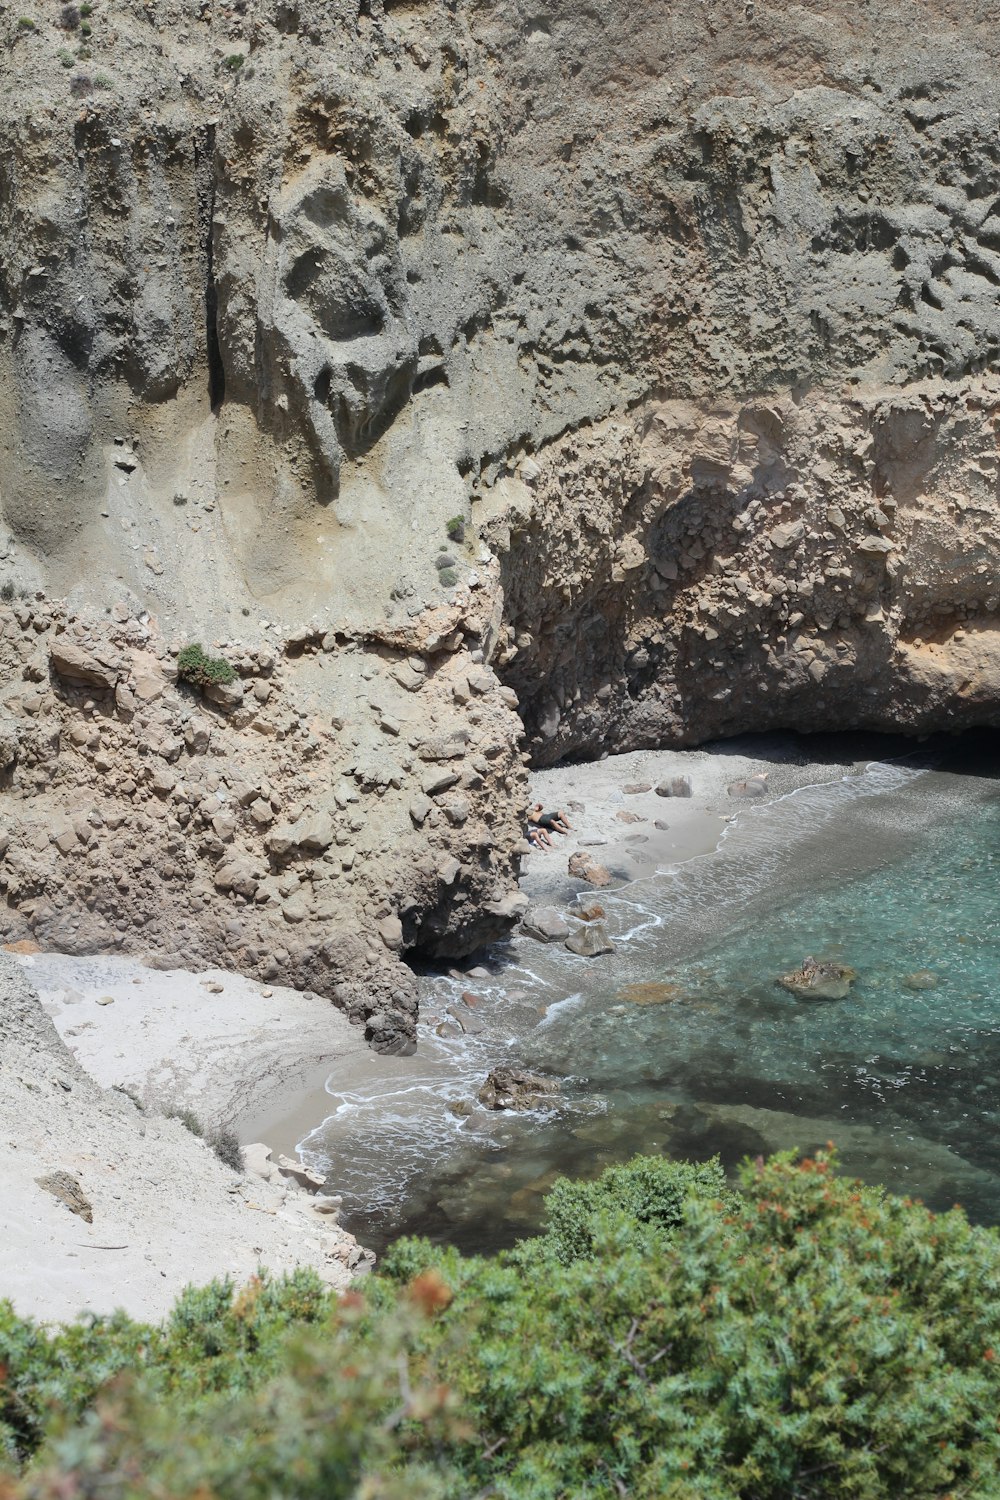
(921,979)
(652,993)
(512,1088)
(819,981)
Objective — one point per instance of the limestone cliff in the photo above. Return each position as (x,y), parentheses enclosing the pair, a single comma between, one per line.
(640,355)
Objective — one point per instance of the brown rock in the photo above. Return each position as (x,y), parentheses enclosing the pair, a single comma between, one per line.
(582,867)
(512,1088)
(75,665)
(591,941)
(66,1188)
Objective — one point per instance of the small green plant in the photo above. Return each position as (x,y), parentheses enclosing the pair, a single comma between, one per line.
(102,81)
(456,529)
(201,670)
(66,57)
(85,28)
(235,61)
(25,23)
(7,592)
(225,1143)
(188,1119)
(448,577)
(221,1139)
(86,9)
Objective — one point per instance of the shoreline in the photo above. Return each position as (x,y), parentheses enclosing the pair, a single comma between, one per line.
(258,1057)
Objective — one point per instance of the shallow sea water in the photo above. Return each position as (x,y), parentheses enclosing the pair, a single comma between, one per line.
(893,871)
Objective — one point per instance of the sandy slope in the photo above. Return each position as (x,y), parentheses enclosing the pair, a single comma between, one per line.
(166,1212)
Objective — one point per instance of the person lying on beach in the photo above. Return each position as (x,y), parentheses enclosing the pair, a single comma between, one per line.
(556,821)
(537,837)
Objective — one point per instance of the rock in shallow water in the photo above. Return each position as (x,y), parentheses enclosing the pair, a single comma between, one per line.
(921,979)
(545,924)
(512,1088)
(819,981)
(590,941)
(652,993)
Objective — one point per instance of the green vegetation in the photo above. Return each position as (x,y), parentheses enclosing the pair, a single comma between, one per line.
(235,61)
(448,577)
(66,57)
(7,591)
(194,666)
(25,23)
(456,529)
(222,1140)
(665,1338)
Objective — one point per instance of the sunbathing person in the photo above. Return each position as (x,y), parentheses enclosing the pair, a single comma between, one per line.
(556,822)
(537,837)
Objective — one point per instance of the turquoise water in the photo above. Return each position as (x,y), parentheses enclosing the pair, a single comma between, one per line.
(894,873)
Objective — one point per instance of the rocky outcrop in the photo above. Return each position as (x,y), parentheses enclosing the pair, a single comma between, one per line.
(266,835)
(639,357)
(793,562)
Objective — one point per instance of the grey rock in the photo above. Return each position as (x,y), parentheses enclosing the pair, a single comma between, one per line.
(677,786)
(590,941)
(545,924)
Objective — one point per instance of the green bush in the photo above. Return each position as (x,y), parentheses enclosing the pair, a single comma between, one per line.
(214,1341)
(806,1338)
(235,61)
(203,671)
(456,529)
(25,23)
(222,1140)
(448,577)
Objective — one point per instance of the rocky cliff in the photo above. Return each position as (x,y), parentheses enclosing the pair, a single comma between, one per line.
(627,366)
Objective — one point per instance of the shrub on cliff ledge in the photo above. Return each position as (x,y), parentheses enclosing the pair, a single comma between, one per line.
(804,1339)
(196,667)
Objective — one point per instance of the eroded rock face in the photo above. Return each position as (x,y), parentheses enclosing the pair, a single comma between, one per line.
(835,567)
(637,355)
(274,838)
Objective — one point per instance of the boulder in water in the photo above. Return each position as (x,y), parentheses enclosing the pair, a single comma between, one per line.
(512,1088)
(817,980)
(545,925)
(590,941)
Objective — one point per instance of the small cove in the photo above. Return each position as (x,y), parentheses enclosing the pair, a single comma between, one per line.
(891,869)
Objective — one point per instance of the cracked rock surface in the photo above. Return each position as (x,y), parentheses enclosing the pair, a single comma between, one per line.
(624,374)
